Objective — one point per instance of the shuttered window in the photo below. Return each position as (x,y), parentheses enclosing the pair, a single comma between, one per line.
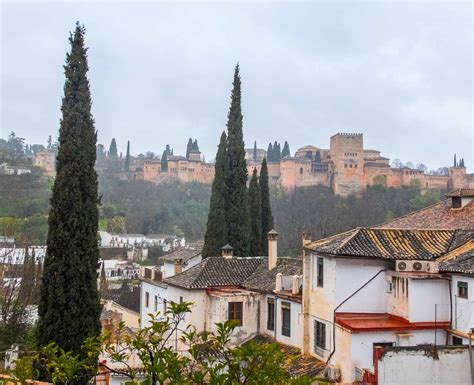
(235,312)
(270,314)
(319,337)
(286,319)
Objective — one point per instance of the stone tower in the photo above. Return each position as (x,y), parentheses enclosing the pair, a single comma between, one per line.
(347,155)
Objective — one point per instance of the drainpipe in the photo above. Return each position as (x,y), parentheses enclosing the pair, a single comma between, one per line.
(338,306)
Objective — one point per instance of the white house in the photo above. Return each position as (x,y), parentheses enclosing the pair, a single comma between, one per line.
(116,269)
(179,261)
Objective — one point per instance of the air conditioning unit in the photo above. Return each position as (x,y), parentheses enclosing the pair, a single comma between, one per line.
(332,373)
(417,266)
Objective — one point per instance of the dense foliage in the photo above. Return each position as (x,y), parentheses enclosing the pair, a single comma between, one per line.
(255,216)
(210,360)
(69,307)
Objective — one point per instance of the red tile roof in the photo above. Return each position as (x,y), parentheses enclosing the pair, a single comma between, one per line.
(367,322)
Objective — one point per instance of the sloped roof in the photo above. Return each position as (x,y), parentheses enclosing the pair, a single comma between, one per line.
(296,364)
(460,260)
(184,255)
(461,192)
(264,280)
(438,216)
(216,271)
(390,243)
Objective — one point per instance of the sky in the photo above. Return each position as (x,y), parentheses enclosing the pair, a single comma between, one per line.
(401,73)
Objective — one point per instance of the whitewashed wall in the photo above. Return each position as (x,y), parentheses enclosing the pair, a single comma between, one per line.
(423,295)
(416,366)
(463,308)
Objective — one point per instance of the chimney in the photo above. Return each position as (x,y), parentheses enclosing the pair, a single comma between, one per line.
(227,251)
(295,289)
(272,249)
(305,238)
(278,282)
(178,266)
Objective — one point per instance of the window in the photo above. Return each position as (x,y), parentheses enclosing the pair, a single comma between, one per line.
(235,312)
(156,303)
(320,272)
(301,170)
(457,340)
(286,319)
(462,289)
(270,314)
(147,299)
(319,337)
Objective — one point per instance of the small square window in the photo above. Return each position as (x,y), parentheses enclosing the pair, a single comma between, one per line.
(462,289)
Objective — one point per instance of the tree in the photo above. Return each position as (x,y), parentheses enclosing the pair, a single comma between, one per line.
(50,143)
(270,154)
(254,151)
(216,230)
(113,149)
(276,151)
(103,285)
(69,306)
(397,163)
(210,357)
(317,157)
(195,145)
(164,162)
(286,150)
(255,216)
(267,217)
(127,157)
(455,162)
(189,147)
(236,174)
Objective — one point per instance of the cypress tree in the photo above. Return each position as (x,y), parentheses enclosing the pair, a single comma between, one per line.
(216,230)
(236,174)
(164,161)
(195,145)
(189,147)
(267,218)
(286,150)
(270,152)
(255,216)
(113,148)
(127,157)
(69,306)
(255,151)
(317,156)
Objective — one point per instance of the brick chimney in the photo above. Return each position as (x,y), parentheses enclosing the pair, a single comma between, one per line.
(305,238)
(272,249)
(227,251)
(178,266)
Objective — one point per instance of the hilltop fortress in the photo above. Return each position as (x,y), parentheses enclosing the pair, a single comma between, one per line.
(347,167)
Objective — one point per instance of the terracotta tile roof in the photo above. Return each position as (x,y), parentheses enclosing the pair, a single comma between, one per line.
(460,260)
(295,363)
(264,280)
(184,255)
(383,321)
(461,192)
(216,271)
(390,243)
(438,216)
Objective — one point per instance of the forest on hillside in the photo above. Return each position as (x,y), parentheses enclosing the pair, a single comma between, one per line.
(141,207)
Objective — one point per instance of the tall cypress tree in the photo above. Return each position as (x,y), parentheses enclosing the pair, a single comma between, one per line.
(236,174)
(113,149)
(195,146)
(255,217)
(189,147)
(69,306)
(164,161)
(255,151)
(216,230)
(267,218)
(317,157)
(286,150)
(270,152)
(127,157)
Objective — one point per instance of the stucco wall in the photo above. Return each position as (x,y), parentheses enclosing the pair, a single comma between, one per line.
(418,366)
(463,308)
(424,294)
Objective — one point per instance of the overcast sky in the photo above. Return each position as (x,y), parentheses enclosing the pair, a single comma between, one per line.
(400,73)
